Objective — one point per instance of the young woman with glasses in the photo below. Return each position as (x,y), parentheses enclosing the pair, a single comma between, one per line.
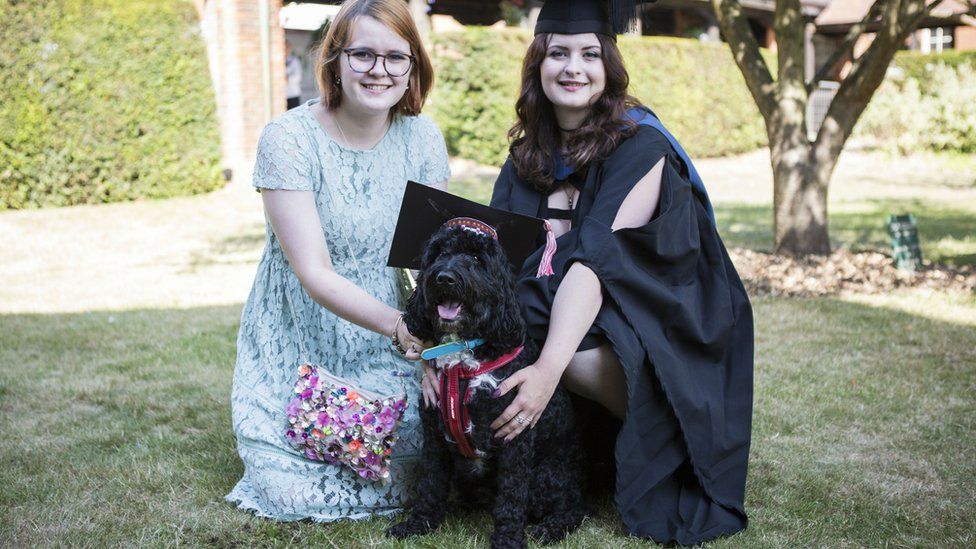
(331,174)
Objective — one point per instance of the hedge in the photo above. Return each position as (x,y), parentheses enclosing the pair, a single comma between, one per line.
(918,65)
(103,101)
(927,107)
(694,87)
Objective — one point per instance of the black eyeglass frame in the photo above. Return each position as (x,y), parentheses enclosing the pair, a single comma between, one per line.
(376,57)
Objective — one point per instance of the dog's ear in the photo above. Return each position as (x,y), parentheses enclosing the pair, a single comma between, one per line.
(415,314)
(432,248)
(507,329)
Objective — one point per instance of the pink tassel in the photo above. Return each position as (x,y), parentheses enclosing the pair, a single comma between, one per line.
(545,264)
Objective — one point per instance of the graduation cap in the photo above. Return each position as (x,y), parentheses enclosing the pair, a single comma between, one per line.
(607,17)
(425,209)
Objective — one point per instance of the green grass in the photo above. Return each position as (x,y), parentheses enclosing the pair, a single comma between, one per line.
(947,232)
(117,432)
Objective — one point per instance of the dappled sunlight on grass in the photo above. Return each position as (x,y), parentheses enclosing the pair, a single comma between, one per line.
(745,225)
(947,233)
(943,228)
(953,308)
(117,428)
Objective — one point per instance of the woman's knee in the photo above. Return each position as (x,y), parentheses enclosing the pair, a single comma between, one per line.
(575,380)
(596,374)
(583,375)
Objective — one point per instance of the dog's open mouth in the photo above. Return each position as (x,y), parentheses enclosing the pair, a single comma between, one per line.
(449,310)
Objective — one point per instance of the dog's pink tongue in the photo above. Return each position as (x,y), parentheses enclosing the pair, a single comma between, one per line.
(449,310)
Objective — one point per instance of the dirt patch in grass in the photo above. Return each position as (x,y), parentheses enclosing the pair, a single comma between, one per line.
(843,271)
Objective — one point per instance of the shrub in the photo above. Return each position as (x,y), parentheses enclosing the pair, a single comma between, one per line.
(936,112)
(695,88)
(698,92)
(917,65)
(477,82)
(103,101)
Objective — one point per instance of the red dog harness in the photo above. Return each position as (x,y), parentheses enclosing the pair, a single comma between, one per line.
(454,410)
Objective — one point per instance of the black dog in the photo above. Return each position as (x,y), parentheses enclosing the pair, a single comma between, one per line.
(466,290)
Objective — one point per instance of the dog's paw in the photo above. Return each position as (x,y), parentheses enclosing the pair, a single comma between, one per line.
(556,527)
(408,528)
(544,534)
(507,541)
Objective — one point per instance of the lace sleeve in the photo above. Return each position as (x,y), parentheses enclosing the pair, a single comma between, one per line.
(283,159)
(435,168)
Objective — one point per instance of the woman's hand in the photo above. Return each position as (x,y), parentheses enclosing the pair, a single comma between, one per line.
(429,386)
(535,387)
(411,345)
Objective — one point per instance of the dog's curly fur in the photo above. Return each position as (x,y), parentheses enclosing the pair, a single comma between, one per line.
(536,478)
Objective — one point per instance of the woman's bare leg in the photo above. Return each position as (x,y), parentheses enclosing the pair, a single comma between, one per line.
(596,374)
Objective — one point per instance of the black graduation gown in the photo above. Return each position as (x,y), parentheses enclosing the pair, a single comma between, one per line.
(680,322)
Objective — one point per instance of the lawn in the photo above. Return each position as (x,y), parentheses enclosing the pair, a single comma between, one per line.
(116,431)
(114,390)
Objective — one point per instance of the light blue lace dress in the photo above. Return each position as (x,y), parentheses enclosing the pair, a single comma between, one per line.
(358,196)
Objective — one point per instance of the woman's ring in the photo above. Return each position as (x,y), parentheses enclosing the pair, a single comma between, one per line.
(521,420)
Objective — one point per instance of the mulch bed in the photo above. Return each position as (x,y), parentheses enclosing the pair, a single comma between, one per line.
(842,271)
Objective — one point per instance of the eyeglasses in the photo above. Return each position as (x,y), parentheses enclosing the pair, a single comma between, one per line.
(363,60)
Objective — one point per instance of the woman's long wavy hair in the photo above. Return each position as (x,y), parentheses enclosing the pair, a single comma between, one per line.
(535,136)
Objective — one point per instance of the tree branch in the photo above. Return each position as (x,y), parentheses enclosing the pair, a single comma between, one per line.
(853,34)
(900,18)
(917,20)
(746,53)
(788,25)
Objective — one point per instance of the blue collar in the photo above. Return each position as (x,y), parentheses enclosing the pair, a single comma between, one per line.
(450,347)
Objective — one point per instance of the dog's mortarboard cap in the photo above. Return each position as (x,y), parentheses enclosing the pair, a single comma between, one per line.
(607,17)
(425,209)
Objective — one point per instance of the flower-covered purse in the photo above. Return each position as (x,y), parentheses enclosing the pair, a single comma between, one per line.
(330,420)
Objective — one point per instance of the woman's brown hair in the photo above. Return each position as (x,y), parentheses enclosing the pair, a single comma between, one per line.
(394,14)
(535,136)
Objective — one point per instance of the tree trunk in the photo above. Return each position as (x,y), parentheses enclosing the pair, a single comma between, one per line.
(801,169)
(799,202)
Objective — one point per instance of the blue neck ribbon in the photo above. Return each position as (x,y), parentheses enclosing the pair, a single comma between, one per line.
(644,117)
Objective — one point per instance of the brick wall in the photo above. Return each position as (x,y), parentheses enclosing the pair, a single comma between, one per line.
(965,38)
(232,32)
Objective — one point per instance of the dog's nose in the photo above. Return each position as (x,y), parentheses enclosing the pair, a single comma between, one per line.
(446,279)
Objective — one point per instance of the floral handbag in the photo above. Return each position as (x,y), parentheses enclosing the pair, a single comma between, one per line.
(330,420)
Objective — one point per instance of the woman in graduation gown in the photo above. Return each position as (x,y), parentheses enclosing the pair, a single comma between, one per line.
(644,312)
